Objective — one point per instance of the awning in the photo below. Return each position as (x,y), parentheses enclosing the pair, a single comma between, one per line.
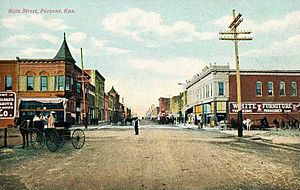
(45,101)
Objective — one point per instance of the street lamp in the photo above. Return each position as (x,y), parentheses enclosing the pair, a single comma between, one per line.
(181,102)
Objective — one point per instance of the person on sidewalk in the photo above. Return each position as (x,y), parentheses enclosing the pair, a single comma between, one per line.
(276,124)
(136,126)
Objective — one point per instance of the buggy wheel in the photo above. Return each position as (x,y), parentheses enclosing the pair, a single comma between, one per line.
(37,139)
(52,139)
(78,138)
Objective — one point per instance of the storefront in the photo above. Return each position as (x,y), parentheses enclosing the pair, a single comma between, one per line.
(29,107)
(255,111)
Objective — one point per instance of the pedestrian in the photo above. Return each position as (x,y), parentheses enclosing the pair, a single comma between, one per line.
(136,126)
(51,120)
(276,124)
(282,123)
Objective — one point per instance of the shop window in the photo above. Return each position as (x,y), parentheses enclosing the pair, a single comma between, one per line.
(270,89)
(8,82)
(258,88)
(294,88)
(221,88)
(30,83)
(44,83)
(282,88)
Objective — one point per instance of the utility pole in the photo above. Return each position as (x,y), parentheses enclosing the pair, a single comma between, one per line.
(234,36)
(83,81)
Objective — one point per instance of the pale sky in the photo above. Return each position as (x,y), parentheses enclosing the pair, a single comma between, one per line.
(144,48)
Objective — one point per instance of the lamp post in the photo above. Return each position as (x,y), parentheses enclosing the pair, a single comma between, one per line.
(182,106)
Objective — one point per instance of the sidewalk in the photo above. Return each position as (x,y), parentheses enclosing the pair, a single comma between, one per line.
(290,138)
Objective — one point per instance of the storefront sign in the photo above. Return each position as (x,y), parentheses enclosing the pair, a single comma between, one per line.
(265,107)
(7,105)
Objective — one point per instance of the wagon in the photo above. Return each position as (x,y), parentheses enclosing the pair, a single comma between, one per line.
(56,137)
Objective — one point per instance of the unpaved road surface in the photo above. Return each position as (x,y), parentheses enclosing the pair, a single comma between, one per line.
(155,159)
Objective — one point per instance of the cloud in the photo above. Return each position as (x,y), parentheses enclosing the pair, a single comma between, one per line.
(181,67)
(149,27)
(50,38)
(114,50)
(77,37)
(36,52)
(288,22)
(17,22)
(288,47)
(100,46)
(18,38)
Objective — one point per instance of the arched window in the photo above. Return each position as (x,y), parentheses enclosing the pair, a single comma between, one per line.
(258,88)
(282,88)
(294,88)
(270,89)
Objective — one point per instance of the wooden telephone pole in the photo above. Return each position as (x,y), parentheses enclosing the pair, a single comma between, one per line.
(233,35)
(84,80)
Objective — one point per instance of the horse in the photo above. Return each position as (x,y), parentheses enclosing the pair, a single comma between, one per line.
(23,128)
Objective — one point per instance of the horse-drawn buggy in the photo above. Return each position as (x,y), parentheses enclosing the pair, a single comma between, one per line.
(40,135)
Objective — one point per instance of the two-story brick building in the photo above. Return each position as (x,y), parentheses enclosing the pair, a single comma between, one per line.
(47,85)
(271,94)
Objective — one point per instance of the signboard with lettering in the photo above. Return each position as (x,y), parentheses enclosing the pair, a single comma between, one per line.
(265,107)
(7,105)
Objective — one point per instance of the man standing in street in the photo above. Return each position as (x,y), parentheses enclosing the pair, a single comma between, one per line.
(136,126)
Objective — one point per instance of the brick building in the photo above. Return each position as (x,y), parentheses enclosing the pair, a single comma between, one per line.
(47,85)
(98,81)
(271,94)
(164,106)
(8,83)
(117,115)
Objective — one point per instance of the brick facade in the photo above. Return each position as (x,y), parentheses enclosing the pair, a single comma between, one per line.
(273,106)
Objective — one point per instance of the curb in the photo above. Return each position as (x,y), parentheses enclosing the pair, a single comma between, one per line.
(270,144)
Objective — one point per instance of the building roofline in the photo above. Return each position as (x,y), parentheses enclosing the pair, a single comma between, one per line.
(231,71)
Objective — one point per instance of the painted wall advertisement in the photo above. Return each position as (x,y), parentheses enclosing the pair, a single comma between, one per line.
(265,107)
(7,105)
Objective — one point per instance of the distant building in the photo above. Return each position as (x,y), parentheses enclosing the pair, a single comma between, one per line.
(164,106)
(175,106)
(98,81)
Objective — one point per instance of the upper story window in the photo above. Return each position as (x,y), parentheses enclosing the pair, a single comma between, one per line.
(282,88)
(30,83)
(294,88)
(270,88)
(221,88)
(258,88)
(44,83)
(61,83)
(207,91)
(68,83)
(211,89)
(78,88)
(8,82)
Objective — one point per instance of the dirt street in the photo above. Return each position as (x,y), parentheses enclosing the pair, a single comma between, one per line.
(155,159)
